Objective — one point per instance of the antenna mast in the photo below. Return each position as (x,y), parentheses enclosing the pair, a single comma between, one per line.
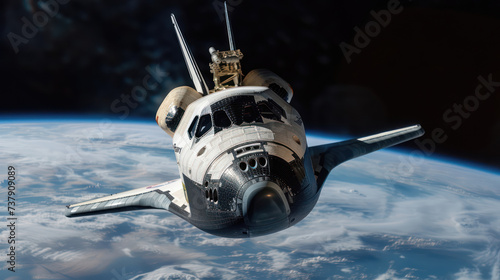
(194,71)
(229,32)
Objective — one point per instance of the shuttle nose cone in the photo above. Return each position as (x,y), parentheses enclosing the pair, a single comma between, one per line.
(266,208)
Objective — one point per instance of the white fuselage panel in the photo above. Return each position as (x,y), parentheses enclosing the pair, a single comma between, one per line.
(196,155)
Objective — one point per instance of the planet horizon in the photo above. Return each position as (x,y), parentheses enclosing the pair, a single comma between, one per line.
(388,215)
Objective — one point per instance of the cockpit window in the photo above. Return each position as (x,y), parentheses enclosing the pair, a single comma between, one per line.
(276,108)
(204,125)
(192,127)
(241,110)
(266,112)
(221,119)
(249,113)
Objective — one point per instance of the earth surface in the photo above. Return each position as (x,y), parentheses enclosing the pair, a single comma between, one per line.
(389,215)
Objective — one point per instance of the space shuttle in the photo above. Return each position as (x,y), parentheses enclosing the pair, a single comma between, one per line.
(245,167)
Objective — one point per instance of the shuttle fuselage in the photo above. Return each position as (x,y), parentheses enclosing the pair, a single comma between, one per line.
(244,164)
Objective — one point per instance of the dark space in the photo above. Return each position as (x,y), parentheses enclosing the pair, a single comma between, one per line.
(436,63)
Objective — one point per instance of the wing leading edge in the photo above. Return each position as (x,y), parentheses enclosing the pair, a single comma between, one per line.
(326,157)
(167,196)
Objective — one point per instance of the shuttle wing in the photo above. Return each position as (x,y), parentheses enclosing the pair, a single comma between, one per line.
(326,157)
(168,196)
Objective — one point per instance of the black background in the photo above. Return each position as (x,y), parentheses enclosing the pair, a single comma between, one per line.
(427,58)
